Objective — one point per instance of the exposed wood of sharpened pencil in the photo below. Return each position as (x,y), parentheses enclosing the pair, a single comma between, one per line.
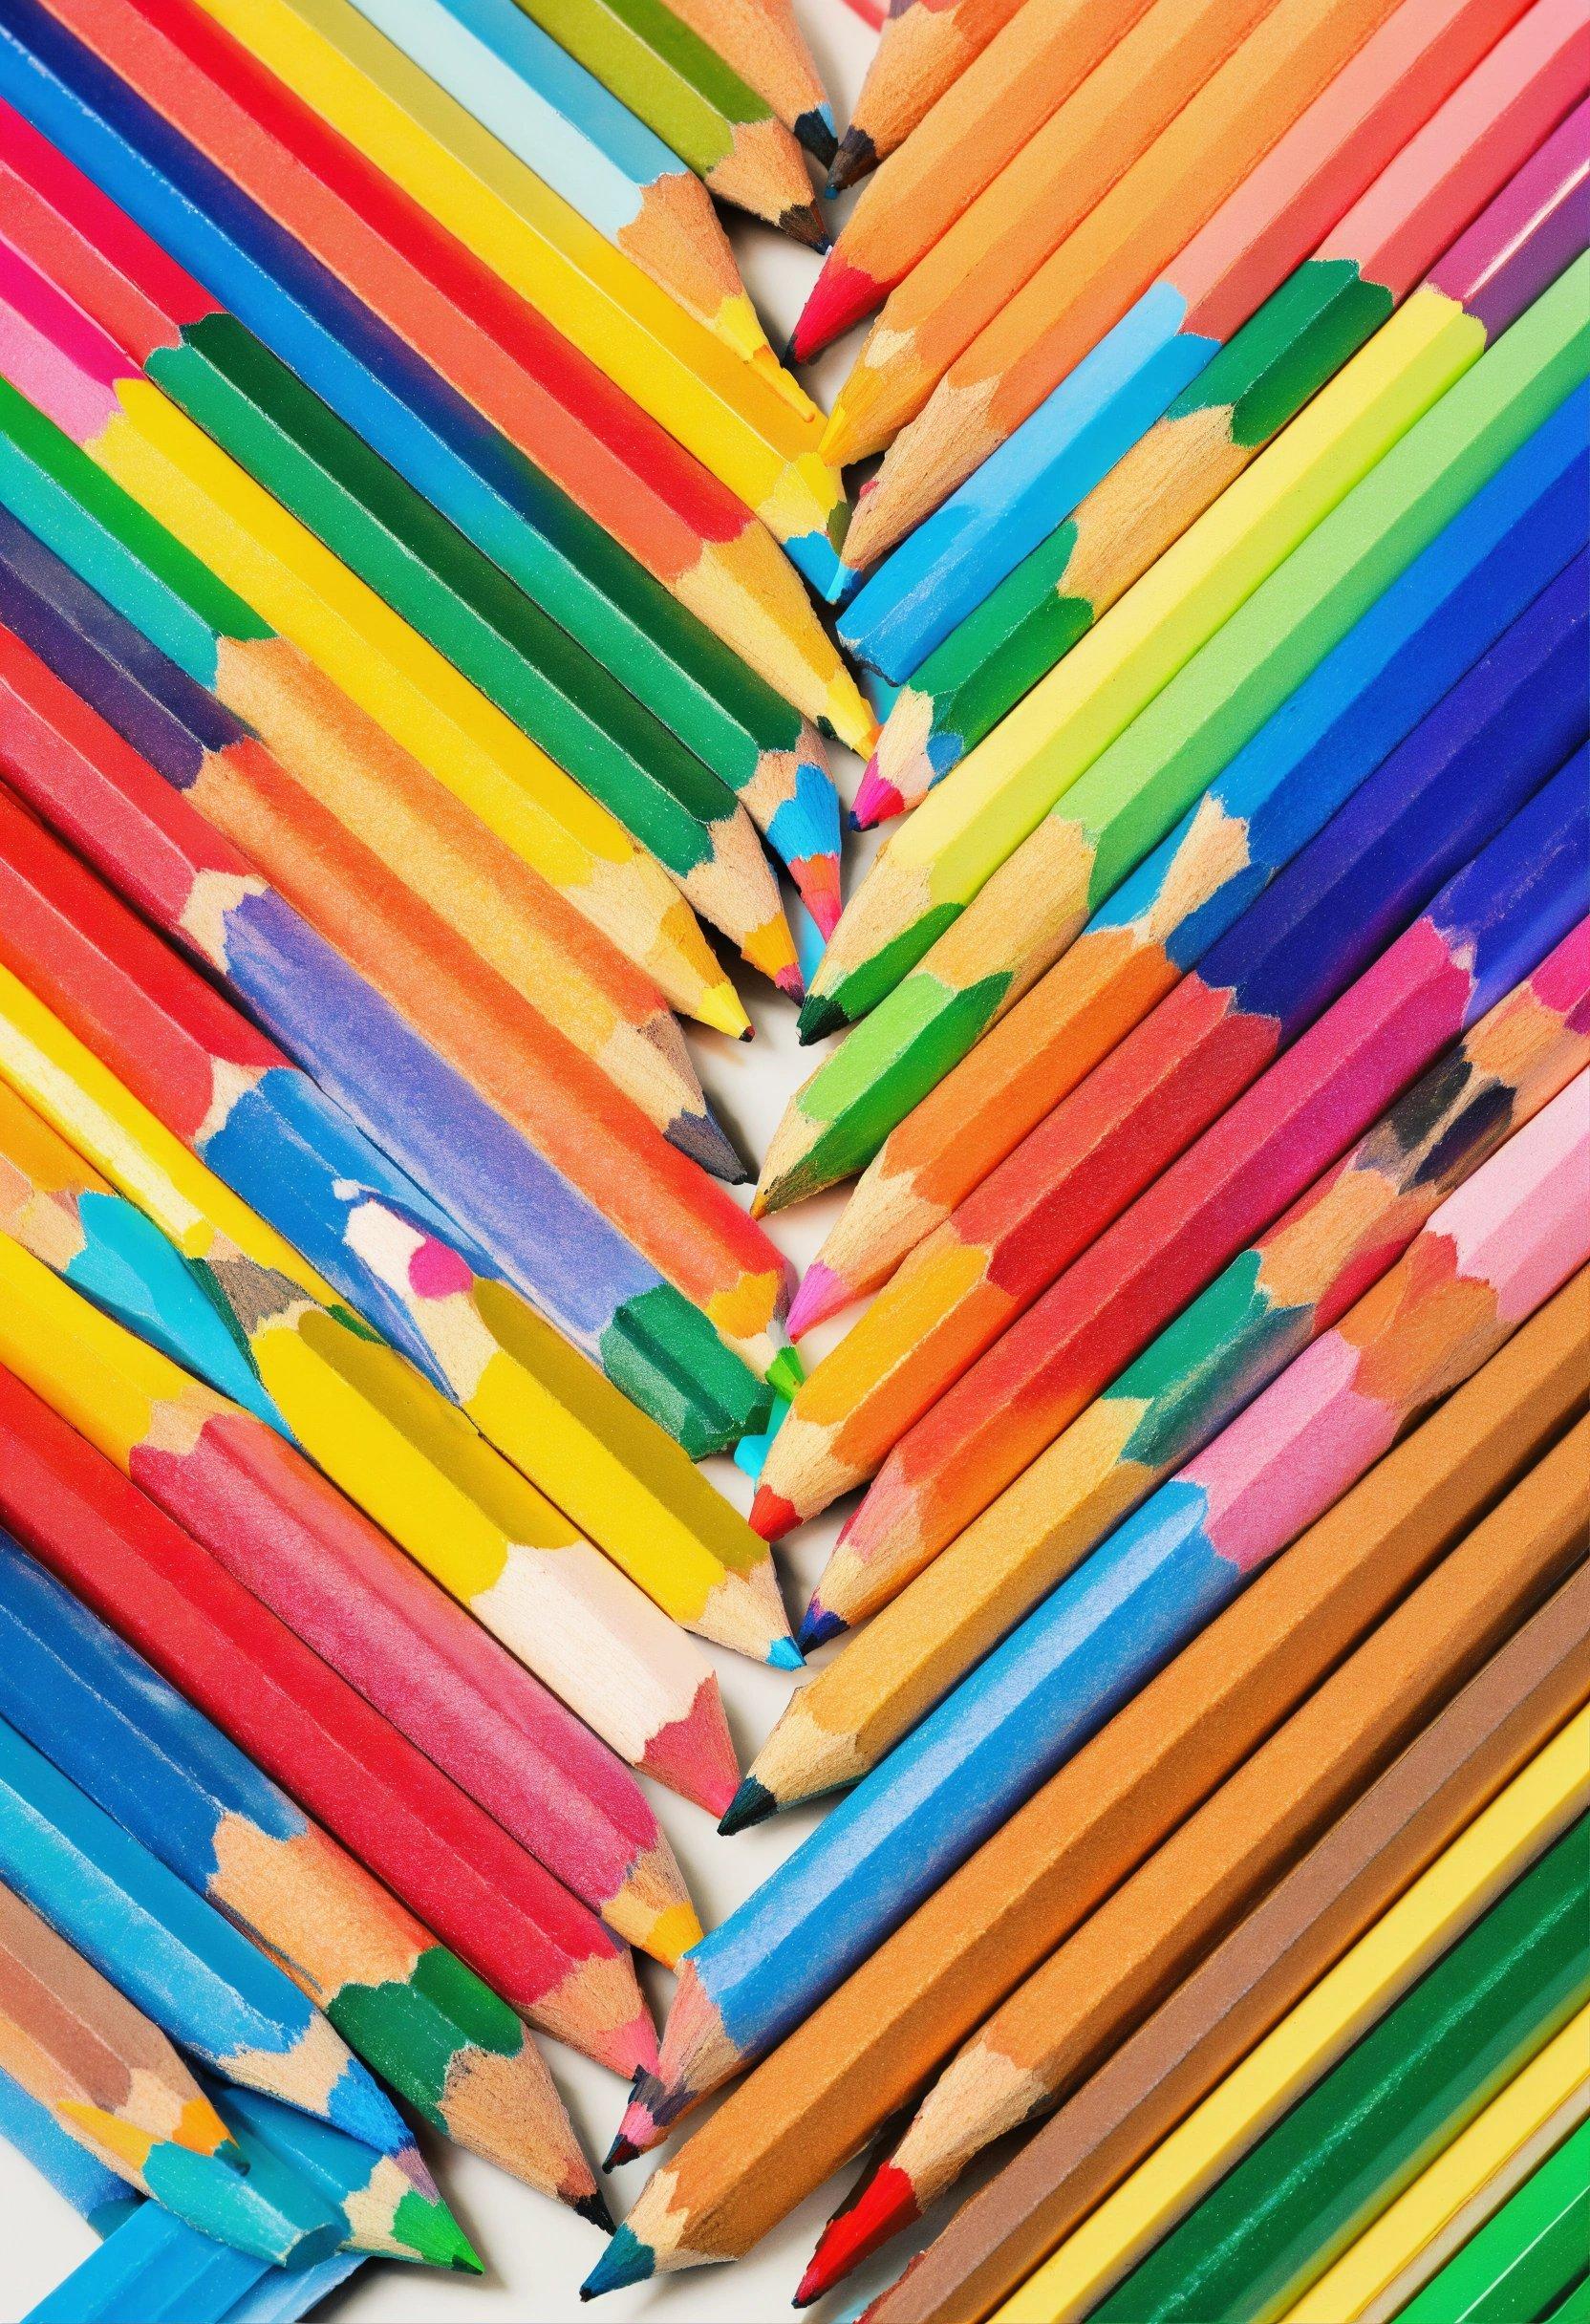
(922,50)
(429,2026)
(1072,2015)
(834,2082)
(321,1738)
(762,40)
(1269,1960)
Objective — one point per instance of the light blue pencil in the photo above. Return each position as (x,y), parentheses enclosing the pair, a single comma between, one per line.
(172,1953)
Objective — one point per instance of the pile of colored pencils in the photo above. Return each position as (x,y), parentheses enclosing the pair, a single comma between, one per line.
(426,599)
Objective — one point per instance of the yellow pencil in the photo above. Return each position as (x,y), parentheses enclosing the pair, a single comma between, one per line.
(1379,2272)
(1496,1848)
(156,453)
(739,423)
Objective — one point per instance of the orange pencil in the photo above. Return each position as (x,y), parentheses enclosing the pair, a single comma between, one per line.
(925,47)
(762,42)
(978,125)
(1088,283)
(966,280)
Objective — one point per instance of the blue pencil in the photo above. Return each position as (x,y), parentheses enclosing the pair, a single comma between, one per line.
(588,146)
(199,1979)
(969,1765)
(150,2265)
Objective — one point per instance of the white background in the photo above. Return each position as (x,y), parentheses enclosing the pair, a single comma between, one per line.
(537,2254)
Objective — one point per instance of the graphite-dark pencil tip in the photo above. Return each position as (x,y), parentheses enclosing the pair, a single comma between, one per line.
(819,1017)
(853,158)
(815,131)
(753,1803)
(594,2206)
(619,2153)
(803,220)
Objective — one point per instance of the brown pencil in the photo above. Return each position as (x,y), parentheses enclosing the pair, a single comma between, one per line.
(827,2090)
(1249,1981)
(1071,2013)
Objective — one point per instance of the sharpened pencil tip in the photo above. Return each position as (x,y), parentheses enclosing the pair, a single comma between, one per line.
(802,221)
(619,2153)
(855,156)
(753,1803)
(771,1514)
(704,1140)
(817,1626)
(814,129)
(594,2206)
(784,1654)
(626,2260)
(819,1018)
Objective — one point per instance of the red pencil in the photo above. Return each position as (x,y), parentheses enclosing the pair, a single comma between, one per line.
(457,1868)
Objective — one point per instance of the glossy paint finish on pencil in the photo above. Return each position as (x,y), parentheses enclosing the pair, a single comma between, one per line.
(1491,923)
(1416,641)
(1432,803)
(1287,1286)
(994,642)
(757,436)
(453,1866)
(1001,100)
(1525,2256)
(1493,1253)
(451,1009)
(593,152)
(833,2083)
(1071,2013)
(1325,1903)
(553,959)
(1085,286)
(405,2004)
(362,236)
(1126,793)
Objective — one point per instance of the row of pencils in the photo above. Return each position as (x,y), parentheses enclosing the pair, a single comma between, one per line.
(408,679)
(409,543)
(1205,1875)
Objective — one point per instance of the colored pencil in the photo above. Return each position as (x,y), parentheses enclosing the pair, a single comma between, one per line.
(924,48)
(518,658)
(551,1412)
(758,438)
(1350,905)
(553,959)
(1131,782)
(97,2194)
(869,2048)
(1391,669)
(1073,2011)
(1129,100)
(1495,920)
(1373,2000)
(461,1516)
(1526,2256)
(593,152)
(661,1349)
(762,40)
(416,284)
(1323,1904)
(1416,2081)
(74,372)
(59,1208)
(691,2209)
(974,648)
(151,2261)
(1492,1252)
(67,2034)
(1281,1291)
(1277,1295)
(1548,2095)
(346,1764)
(979,124)
(566,1111)
(173,1955)
(1112,255)
(585,582)
(374,2203)
(105,2071)
(652,60)
(403,2003)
